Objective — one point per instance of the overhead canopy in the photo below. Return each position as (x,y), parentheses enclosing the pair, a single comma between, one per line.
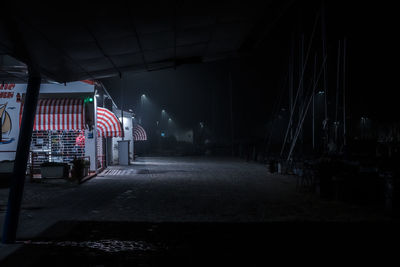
(59,115)
(108,124)
(100,40)
(139,134)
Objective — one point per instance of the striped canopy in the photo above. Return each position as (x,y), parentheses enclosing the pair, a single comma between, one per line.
(59,114)
(139,134)
(108,124)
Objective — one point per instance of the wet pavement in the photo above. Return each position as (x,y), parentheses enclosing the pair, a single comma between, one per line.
(200,204)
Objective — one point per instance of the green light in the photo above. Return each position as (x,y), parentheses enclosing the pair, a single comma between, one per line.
(88,100)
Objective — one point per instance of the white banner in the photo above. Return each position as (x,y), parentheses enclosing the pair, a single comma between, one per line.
(10,105)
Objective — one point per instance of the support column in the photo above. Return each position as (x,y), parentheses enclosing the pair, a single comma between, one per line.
(21,158)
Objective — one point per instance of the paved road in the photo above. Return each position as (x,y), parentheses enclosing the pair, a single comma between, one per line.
(177,190)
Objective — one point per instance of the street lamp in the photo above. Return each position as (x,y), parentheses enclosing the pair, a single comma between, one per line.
(163,115)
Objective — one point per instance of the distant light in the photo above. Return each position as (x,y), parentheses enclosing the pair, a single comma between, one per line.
(169,119)
(321,92)
(143,95)
(163,111)
(162,134)
(97,95)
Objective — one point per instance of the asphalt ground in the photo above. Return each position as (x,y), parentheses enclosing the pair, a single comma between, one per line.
(196,209)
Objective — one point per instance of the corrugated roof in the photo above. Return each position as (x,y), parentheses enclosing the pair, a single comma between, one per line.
(91,41)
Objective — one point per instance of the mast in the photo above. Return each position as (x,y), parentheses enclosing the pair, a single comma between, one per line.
(301,86)
(337,93)
(301,121)
(313,101)
(291,81)
(325,73)
(298,89)
(344,90)
(231,113)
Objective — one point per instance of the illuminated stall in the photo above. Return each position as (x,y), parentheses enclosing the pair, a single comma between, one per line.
(68,124)
(64,126)
(108,126)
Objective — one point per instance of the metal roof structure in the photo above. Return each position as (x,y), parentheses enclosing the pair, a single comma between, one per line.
(68,42)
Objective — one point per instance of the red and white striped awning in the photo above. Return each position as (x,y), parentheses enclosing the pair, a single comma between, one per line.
(108,124)
(139,134)
(59,114)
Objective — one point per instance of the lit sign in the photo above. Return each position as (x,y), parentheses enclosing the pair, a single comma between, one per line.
(5,90)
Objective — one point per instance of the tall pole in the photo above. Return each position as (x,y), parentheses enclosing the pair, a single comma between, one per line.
(301,78)
(344,90)
(324,55)
(302,106)
(301,70)
(21,158)
(301,121)
(337,93)
(231,112)
(291,81)
(313,100)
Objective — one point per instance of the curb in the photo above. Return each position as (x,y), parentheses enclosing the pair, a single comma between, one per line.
(87,178)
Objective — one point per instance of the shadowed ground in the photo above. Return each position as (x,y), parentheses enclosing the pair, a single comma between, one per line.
(175,205)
